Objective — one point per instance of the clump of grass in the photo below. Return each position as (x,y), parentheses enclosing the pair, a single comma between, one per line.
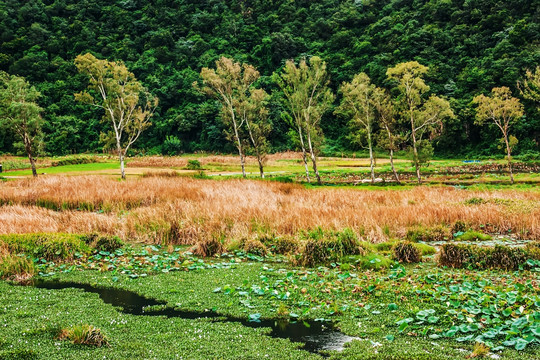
(255,247)
(16,268)
(407,252)
(325,246)
(427,234)
(471,235)
(459,226)
(103,242)
(315,252)
(475,201)
(285,245)
(209,247)
(84,335)
(471,256)
(479,351)
(51,246)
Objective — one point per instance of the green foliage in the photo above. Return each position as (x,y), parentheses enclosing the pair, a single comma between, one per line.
(427,234)
(407,252)
(171,146)
(49,246)
(471,236)
(100,242)
(74,161)
(16,267)
(194,165)
(471,256)
(255,247)
(374,262)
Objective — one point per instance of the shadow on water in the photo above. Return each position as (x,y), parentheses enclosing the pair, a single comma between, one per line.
(315,335)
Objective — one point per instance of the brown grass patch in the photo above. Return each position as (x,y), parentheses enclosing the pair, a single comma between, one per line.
(187,211)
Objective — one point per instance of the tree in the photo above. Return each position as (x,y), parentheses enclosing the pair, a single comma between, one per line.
(530,86)
(127,104)
(358,104)
(258,125)
(308,97)
(20,113)
(389,138)
(503,110)
(425,116)
(231,83)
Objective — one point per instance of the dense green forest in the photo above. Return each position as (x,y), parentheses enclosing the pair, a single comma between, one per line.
(470,46)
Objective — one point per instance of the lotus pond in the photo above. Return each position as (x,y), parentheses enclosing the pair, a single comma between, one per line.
(402,312)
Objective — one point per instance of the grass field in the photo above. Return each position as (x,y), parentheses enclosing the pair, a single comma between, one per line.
(354,254)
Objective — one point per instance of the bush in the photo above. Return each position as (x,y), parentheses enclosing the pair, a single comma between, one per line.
(285,245)
(255,247)
(208,247)
(171,146)
(51,246)
(315,252)
(194,165)
(74,161)
(470,256)
(16,267)
(425,249)
(434,233)
(84,335)
(103,242)
(407,252)
(459,226)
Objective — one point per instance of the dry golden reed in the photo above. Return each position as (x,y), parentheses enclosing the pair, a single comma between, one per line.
(185,210)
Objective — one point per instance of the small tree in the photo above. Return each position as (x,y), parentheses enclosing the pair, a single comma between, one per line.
(308,98)
(231,83)
(425,116)
(389,138)
(357,104)
(20,113)
(127,104)
(503,110)
(530,86)
(255,116)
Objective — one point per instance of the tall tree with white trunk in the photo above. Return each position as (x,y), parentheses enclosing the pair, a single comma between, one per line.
(308,97)
(425,114)
(128,106)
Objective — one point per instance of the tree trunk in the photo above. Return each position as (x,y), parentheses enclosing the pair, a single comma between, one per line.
(239,142)
(242,160)
(392,165)
(371,160)
(261,166)
(304,155)
(122,168)
(509,155)
(415,155)
(314,160)
(28,148)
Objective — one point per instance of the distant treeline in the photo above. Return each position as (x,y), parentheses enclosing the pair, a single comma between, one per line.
(470,46)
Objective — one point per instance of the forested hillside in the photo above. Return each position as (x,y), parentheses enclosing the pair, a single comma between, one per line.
(470,46)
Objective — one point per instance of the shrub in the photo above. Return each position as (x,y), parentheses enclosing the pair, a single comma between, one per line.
(285,245)
(255,247)
(407,252)
(51,246)
(84,335)
(385,246)
(194,165)
(171,146)
(103,242)
(315,252)
(459,226)
(498,257)
(16,267)
(74,161)
(435,233)
(208,247)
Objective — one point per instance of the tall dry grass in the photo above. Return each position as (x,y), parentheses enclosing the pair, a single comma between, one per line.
(186,210)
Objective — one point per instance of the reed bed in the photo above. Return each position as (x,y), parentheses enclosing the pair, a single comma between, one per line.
(185,210)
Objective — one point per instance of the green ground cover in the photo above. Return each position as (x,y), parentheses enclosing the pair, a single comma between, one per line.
(417,311)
